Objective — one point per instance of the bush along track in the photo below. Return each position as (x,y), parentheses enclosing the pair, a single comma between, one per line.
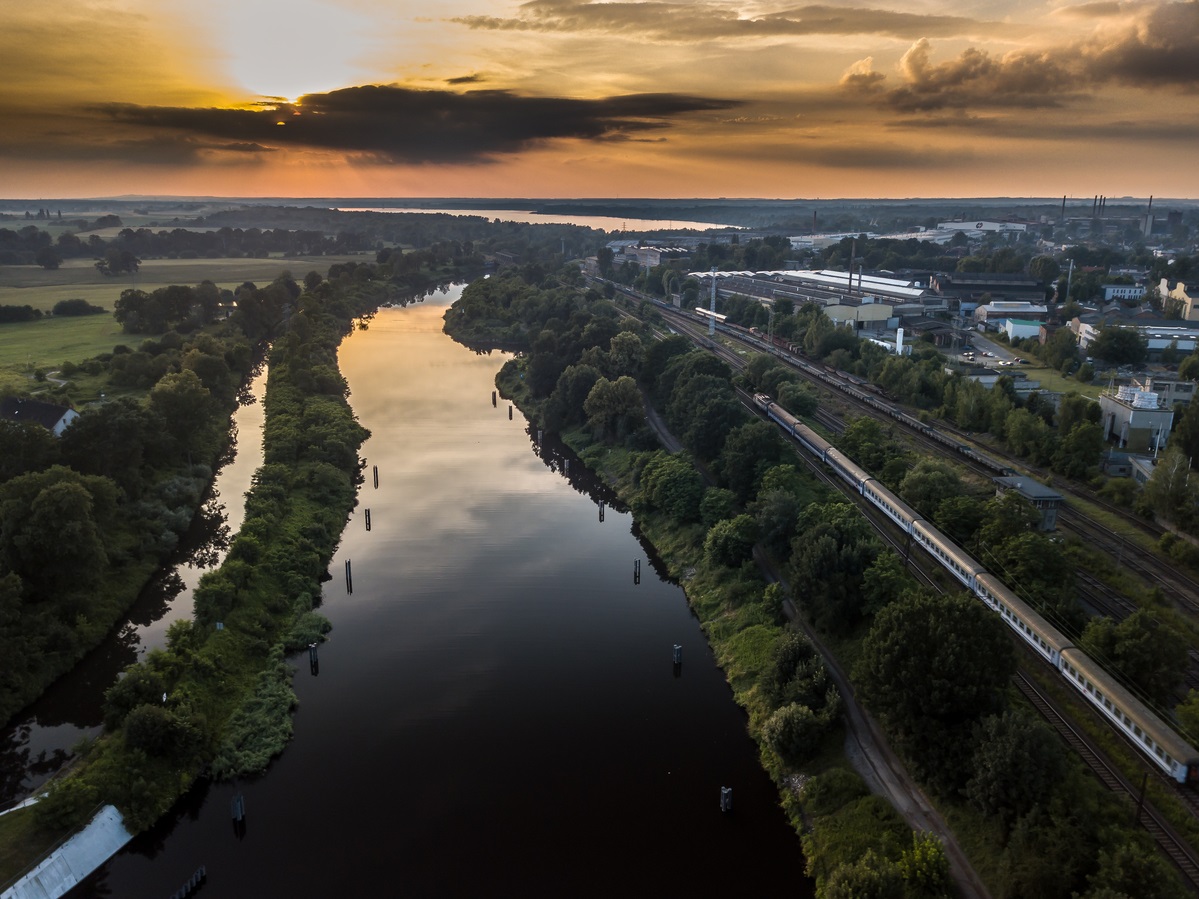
(218,697)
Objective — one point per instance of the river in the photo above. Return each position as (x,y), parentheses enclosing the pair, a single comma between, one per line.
(38,741)
(496,711)
(600,222)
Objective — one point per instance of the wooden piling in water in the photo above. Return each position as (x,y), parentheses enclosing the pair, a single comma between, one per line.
(349,578)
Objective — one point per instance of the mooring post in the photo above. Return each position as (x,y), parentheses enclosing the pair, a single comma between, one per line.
(509,412)
(678,654)
(636,571)
(726,799)
(349,578)
(494,399)
(368,519)
(540,435)
(376,477)
(568,466)
(601,511)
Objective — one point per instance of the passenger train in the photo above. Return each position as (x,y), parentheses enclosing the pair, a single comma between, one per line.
(1164,748)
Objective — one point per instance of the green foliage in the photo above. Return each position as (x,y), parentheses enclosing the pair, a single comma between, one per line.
(70,803)
(829,557)
(794,732)
(930,667)
(140,685)
(1147,650)
(261,725)
(1017,764)
(928,483)
(159,732)
(1134,870)
(730,542)
(718,503)
(867,443)
(844,836)
(925,868)
(672,484)
(870,877)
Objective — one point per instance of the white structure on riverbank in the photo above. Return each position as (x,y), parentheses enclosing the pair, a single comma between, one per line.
(63,869)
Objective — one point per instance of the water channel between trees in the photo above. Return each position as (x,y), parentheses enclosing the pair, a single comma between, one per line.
(497,710)
(38,741)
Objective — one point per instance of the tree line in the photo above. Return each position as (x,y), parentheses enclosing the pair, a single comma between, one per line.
(934,667)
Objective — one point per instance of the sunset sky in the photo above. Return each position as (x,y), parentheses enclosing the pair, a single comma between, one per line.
(571,98)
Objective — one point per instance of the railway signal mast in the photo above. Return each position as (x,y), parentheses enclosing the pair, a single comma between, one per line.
(712,317)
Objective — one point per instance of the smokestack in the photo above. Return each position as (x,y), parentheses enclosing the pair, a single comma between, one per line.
(853,253)
(1063,207)
(1150,209)
(813,221)
(1095,206)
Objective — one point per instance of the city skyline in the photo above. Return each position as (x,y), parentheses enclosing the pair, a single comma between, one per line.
(572,98)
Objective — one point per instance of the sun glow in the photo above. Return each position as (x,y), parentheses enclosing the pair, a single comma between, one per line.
(307,46)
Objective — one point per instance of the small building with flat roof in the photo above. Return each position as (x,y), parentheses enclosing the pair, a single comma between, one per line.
(1046,500)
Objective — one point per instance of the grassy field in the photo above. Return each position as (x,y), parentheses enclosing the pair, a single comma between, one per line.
(46,344)
(28,346)
(28,285)
(1053,380)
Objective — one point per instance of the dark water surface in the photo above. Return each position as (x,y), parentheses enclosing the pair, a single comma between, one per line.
(496,712)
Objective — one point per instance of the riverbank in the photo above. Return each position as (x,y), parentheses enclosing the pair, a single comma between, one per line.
(219,694)
(70,863)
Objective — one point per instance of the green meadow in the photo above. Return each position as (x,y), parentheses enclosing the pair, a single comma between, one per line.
(26,347)
(29,285)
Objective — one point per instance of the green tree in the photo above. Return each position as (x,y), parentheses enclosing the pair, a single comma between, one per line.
(1146,649)
(1136,871)
(673,485)
(186,409)
(53,525)
(718,504)
(731,542)
(1044,268)
(925,868)
(1017,764)
(1078,452)
(930,667)
(928,483)
(829,557)
(1120,346)
(614,407)
(47,258)
(626,354)
(776,513)
(870,877)
(749,451)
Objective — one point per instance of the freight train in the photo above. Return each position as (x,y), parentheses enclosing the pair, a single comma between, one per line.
(1167,750)
(858,388)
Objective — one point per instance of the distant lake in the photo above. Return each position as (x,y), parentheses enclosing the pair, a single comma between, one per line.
(602,222)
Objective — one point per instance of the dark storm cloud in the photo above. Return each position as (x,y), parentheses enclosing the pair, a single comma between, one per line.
(1158,48)
(710,21)
(466,79)
(977,79)
(413,126)
(1151,46)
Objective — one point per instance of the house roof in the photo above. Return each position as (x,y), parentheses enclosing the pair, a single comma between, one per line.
(45,414)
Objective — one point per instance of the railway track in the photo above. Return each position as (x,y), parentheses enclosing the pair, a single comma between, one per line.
(1167,838)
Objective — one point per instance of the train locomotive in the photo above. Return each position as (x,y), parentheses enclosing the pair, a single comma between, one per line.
(1166,749)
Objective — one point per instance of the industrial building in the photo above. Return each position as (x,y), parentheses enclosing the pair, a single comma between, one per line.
(1138,419)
